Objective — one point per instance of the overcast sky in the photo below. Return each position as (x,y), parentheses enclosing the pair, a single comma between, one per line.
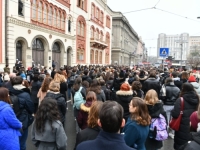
(149,23)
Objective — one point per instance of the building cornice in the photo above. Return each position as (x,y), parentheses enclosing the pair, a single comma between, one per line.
(38,28)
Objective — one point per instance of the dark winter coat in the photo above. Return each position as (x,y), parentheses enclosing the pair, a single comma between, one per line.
(152,83)
(191,102)
(194,143)
(109,83)
(87,134)
(63,89)
(178,83)
(124,98)
(138,93)
(86,78)
(107,92)
(142,79)
(172,93)
(101,96)
(154,112)
(60,102)
(34,90)
(117,83)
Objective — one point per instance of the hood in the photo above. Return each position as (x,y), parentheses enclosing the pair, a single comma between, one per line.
(195,85)
(191,97)
(16,92)
(176,79)
(124,93)
(142,77)
(19,87)
(3,105)
(54,95)
(84,108)
(155,110)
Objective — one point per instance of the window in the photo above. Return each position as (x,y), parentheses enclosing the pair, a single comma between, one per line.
(59,20)
(93,12)
(101,36)
(96,57)
(69,24)
(54,18)
(56,47)
(83,5)
(101,17)
(45,14)
(100,58)
(79,3)
(79,28)
(63,22)
(34,10)
(97,14)
(80,55)
(108,21)
(82,29)
(92,56)
(40,12)
(50,16)
(92,32)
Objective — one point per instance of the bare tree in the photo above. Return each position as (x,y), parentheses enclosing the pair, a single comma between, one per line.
(194,58)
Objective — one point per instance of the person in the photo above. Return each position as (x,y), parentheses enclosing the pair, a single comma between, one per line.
(192,80)
(53,64)
(92,130)
(136,88)
(44,88)
(123,97)
(85,108)
(47,131)
(176,79)
(155,108)
(26,106)
(110,120)
(191,101)
(184,77)
(54,92)
(7,69)
(195,120)
(9,125)
(137,127)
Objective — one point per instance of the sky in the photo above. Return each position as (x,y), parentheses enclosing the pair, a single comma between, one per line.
(151,22)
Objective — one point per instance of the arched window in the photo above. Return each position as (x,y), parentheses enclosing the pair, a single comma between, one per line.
(69,24)
(92,56)
(97,13)
(37,45)
(79,28)
(101,36)
(100,58)
(96,57)
(82,29)
(54,18)
(80,55)
(45,14)
(59,20)
(93,12)
(92,33)
(50,21)
(56,47)
(97,34)
(40,12)
(34,10)
(63,22)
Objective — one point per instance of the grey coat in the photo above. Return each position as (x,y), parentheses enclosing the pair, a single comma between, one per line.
(55,139)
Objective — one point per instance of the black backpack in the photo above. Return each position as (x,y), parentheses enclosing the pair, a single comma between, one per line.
(15,104)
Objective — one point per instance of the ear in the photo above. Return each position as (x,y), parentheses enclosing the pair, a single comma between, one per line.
(123,123)
(99,123)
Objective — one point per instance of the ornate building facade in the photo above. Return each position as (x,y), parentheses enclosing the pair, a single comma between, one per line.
(70,32)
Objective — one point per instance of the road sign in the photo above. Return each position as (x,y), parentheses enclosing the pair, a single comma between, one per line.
(164,52)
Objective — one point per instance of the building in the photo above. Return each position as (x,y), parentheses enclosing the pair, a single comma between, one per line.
(178,47)
(124,41)
(194,43)
(70,32)
(2,35)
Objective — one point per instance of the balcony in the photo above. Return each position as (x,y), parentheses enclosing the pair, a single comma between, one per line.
(98,43)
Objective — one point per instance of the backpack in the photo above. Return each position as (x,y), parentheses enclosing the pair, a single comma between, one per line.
(15,104)
(158,128)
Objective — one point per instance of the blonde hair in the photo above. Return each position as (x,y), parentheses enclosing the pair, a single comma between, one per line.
(59,78)
(151,97)
(54,86)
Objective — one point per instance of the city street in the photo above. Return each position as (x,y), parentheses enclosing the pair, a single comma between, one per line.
(70,129)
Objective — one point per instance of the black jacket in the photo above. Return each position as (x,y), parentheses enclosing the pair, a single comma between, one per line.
(172,93)
(63,89)
(152,83)
(124,98)
(191,102)
(142,79)
(154,112)
(178,83)
(117,83)
(60,102)
(86,78)
(194,143)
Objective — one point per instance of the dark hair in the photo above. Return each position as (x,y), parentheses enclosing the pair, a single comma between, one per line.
(85,84)
(47,111)
(4,95)
(45,84)
(136,85)
(111,116)
(152,74)
(102,82)
(95,87)
(141,114)
(77,83)
(184,75)
(85,72)
(16,80)
(174,74)
(187,87)
(168,80)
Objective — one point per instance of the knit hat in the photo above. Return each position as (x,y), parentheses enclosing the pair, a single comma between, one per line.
(192,79)
(125,87)
(121,74)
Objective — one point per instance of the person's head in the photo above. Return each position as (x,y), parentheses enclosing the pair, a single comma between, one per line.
(47,111)
(168,80)
(77,83)
(94,114)
(54,86)
(91,96)
(85,72)
(102,82)
(45,84)
(151,97)
(85,84)
(192,79)
(4,95)
(152,74)
(187,87)
(136,85)
(174,74)
(111,117)
(139,111)
(59,78)
(125,87)
(184,75)
(16,80)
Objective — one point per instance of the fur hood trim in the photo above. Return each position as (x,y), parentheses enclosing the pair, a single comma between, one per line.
(144,78)
(120,92)
(84,108)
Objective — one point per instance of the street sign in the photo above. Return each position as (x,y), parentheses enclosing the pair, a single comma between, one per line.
(164,52)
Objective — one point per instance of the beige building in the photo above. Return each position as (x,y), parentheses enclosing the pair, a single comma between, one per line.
(194,43)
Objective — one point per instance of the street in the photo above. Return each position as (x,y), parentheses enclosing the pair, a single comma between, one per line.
(70,129)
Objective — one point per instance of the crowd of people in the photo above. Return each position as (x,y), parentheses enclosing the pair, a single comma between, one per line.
(110,103)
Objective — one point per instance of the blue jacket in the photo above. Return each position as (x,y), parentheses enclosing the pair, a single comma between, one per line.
(105,141)
(135,134)
(9,128)
(26,105)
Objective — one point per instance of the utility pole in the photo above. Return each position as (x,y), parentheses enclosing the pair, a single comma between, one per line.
(181,41)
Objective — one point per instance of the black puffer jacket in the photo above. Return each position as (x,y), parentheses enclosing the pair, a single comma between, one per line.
(60,102)
(172,93)
(152,83)
(194,143)
(191,102)
(154,112)
(124,98)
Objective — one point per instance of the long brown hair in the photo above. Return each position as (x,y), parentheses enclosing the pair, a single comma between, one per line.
(141,114)
(94,114)
(4,95)
(45,84)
